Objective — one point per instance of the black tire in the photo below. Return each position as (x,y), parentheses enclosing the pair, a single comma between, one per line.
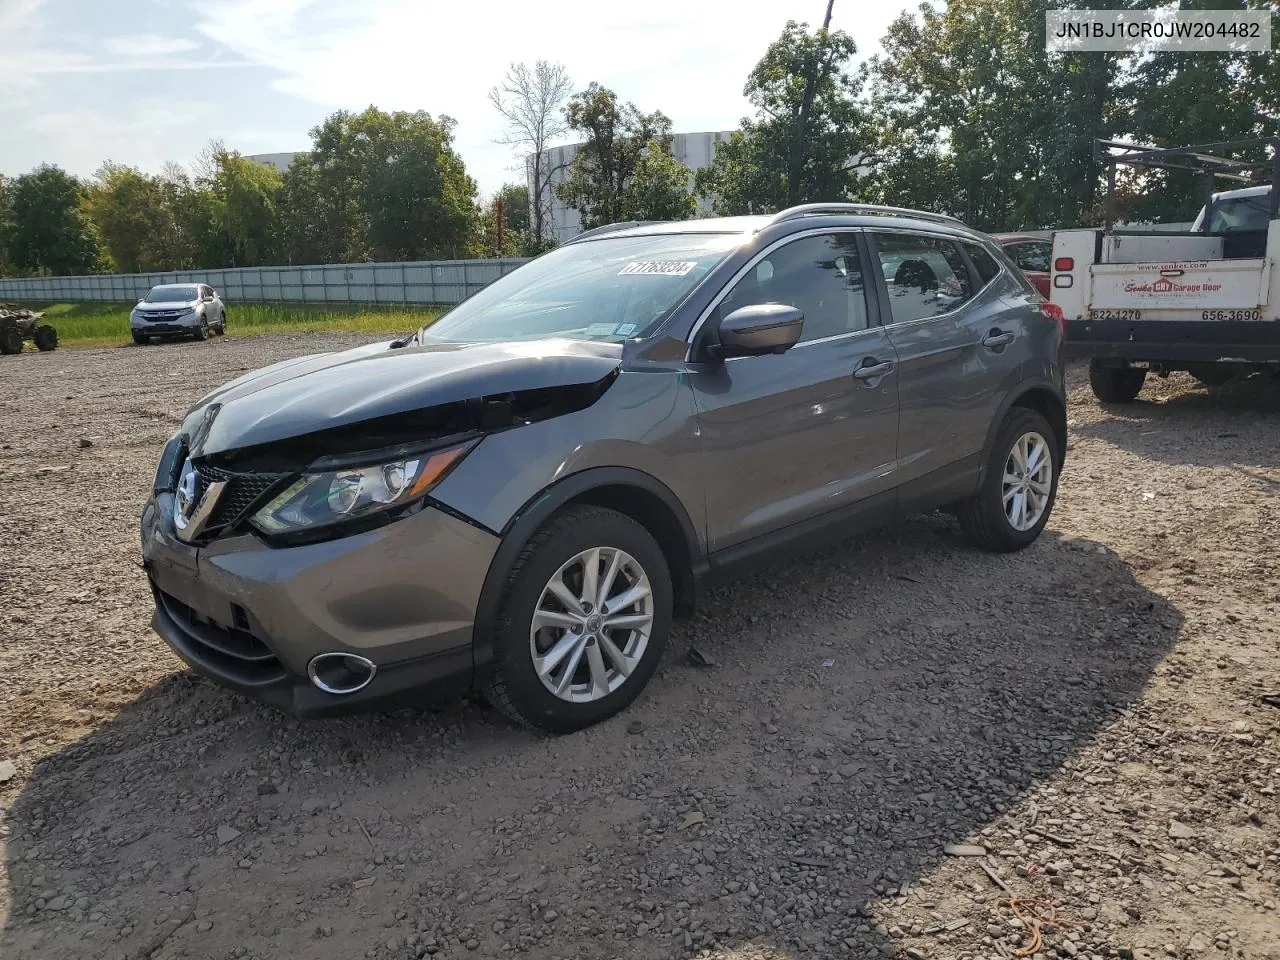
(1115,384)
(202,331)
(10,339)
(1211,374)
(982,518)
(45,337)
(141,339)
(514,686)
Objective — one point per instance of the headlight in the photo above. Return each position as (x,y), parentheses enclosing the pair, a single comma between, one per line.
(317,500)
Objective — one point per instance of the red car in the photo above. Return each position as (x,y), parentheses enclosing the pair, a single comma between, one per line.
(1031,255)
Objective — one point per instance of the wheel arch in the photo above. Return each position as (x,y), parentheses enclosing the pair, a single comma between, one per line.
(632,493)
(1044,400)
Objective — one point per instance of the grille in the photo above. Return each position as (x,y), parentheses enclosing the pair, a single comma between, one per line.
(162,315)
(243,491)
(231,652)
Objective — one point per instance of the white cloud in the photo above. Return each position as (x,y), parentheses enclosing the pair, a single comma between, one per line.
(148,44)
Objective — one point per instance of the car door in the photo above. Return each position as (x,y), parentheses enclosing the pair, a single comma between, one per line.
(788,437)
(947,325)
(215,304)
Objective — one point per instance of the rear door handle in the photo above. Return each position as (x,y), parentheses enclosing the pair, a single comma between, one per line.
(997,338)
(872,369)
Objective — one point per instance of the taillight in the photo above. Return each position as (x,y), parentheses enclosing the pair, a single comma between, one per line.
(1055,312)
(1063,264)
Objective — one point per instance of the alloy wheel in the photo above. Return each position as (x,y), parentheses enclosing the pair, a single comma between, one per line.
(591,625)
(1028,481)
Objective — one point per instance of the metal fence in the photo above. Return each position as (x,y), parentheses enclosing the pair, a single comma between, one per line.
(424,281)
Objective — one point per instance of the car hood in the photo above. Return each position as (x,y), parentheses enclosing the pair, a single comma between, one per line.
(166,305)
(322,391)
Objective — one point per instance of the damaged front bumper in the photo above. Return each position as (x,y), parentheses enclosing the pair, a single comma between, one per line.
(253,617)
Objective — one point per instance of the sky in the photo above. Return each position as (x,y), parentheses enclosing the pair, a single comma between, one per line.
(143,82)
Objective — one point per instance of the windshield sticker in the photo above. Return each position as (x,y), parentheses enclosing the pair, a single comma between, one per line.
(626,329)
(657,268)
(600,330)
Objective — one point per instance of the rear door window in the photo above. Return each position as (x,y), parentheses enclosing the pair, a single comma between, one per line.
(925,276)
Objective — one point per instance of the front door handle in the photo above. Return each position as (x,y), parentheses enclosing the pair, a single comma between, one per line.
(872,369)
(996,339)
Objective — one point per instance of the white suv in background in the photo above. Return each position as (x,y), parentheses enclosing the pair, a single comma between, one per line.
(178,310)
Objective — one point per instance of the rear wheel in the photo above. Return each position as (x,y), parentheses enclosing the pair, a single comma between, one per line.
(1211,374)
(10,338)
(1115,384)
(1019,486)
(45,337)
(582,626)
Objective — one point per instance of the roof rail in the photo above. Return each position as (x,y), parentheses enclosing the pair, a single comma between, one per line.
(860,209)
(610,228)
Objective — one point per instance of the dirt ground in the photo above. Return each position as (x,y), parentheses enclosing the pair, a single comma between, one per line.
(896,738)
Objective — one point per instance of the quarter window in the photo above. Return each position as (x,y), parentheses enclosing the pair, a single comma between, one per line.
(821,276)
(1032,257)
(986,265)
(925,276)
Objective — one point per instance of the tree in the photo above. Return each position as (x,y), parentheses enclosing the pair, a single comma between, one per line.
(51,232)
(973,117)
(803,95)
(659,188)
(380,186)
(505,224)
(530,100)
(6,226)
(246,212)
(616,137)
(135,219)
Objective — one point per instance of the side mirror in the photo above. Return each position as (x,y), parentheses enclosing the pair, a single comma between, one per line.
(760,328)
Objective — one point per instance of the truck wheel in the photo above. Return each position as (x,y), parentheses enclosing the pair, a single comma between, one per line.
(10,338)
(46,338)
(1211,374)
(1115,384)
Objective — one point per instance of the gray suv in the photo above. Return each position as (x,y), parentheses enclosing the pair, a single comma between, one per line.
(521,496)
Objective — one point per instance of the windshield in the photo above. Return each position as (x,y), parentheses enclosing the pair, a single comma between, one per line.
(171,295)
(610,289)
(1239,213)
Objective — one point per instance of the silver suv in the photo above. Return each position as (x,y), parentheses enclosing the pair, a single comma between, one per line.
(178,310)
(520,497)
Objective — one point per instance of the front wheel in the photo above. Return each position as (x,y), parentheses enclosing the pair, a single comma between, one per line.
(583,623)
(141,339)
(1115,384)
(1019,486)
(202,331)
(45,338)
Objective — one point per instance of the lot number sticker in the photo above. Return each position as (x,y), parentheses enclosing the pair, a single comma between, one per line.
(657,268)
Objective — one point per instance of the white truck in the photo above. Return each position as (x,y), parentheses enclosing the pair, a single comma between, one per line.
(1207,301)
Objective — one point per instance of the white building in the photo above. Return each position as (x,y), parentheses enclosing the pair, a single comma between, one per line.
(694,150)
(281,161)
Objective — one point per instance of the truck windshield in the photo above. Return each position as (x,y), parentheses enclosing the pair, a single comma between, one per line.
(1236,214)
(607,289)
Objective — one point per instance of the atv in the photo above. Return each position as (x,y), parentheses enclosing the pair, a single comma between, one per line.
(18,324)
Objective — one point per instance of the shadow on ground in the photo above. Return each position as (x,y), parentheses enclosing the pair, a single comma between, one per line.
(1197,427)
(867,706)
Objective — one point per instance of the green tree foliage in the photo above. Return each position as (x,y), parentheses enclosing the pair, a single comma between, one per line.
(135,218)
(245,211)
(510,205)
(616,138)
(751,172)
(380,186)
(659,187)
(1172,99)
(6,225)
(974,118)
(51,232)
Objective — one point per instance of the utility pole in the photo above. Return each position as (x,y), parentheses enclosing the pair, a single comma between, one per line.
(498,215)
(802,121)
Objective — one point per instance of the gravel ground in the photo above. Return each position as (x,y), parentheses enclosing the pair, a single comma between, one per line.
(894,739)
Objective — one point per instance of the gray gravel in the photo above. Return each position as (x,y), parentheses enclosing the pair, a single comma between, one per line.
(1078,724)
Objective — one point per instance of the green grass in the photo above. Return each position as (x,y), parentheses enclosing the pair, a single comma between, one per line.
(107,324)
